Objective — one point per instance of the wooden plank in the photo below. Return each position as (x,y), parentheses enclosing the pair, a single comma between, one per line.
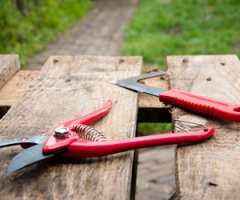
(208,170)
(68,87)
(9,65)
(16,87)
(150,109)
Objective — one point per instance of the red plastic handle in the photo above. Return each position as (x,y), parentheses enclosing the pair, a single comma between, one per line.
(200,104)
(91,117)
(86,149)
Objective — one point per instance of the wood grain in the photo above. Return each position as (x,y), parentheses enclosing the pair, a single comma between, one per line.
(208,170)
(68,87)
(9,65)
(16,87)
(150,109)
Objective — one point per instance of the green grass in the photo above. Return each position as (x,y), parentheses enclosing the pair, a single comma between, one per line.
(177,27)
(153,128)
(181,27)
(29,31)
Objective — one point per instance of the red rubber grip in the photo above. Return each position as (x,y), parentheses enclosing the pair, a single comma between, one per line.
(200,104)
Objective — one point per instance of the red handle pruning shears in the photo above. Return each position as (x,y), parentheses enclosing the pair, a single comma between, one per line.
(74,139)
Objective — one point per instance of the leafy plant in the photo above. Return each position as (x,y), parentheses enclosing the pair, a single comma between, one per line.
(30,27)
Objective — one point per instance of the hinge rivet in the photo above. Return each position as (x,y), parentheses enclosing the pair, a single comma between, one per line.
(61,132)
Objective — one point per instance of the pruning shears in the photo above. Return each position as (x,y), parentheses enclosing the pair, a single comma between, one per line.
(185,100)
(75,139)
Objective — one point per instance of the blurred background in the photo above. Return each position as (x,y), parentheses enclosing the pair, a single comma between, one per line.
(156,29)
(37,29)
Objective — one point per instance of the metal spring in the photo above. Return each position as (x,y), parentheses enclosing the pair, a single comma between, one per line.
(89,133)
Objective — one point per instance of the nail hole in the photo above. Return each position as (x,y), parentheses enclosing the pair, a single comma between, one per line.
(153,181)
(209,79)
(67,80)
(212,184)
(162,78)
(55,61)
(223,63)
(121,61)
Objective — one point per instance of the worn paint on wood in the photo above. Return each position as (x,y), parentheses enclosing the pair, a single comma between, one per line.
(208,170)
(68,87)
(9,65)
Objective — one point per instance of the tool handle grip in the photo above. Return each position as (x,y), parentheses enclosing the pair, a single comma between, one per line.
(200,104)
(91,117)
(85,149)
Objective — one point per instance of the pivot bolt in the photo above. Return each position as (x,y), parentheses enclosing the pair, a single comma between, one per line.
(61,132)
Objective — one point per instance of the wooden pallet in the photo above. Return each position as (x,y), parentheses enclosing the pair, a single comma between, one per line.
(208,170)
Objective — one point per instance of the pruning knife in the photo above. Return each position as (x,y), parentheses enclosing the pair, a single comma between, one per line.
(199,104)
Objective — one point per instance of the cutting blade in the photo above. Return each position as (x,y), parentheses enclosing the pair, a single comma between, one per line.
(27,157)
(23,140)
(132,83)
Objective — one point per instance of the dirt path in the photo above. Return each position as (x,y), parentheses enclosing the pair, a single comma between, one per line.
(100,32)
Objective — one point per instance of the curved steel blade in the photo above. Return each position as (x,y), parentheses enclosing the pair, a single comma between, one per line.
(27,157)
(23,140)
(133,84)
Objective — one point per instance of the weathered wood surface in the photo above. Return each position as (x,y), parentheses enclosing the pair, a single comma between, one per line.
(68,87)
(150,109)
(16,87)
(9,65)
(208,170)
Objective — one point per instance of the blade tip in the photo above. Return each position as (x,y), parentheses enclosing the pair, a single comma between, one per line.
(114,82)
(11,169)
(9,172)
